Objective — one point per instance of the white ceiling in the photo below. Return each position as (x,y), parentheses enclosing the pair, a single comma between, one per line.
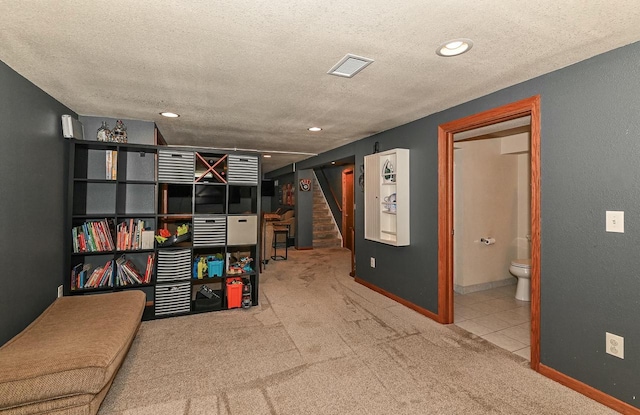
(252,73)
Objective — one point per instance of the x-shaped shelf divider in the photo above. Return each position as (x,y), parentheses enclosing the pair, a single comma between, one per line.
(211,168)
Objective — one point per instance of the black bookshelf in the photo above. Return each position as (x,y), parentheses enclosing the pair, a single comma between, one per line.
(122,195)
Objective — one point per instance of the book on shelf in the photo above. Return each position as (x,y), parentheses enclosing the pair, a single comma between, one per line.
(76,276)
(74,237)
(108,164)
(83,275)
(114,165)
(119,272)
(104,231)
(128,273)
(92,236)
(147,238)
(149,270)
(111,165)
(132,234)
(95,236)
(88,239)
(99,277)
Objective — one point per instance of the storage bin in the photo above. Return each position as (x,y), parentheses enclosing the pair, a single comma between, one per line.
(201,303)
(173,264)
(175,166)
(173,298)
(215,267)
(209,230)
(243,230)
(243,169)
(234,292)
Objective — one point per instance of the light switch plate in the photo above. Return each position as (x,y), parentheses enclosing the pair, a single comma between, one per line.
(615,221)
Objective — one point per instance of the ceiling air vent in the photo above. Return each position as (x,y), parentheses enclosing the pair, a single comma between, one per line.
(349,66)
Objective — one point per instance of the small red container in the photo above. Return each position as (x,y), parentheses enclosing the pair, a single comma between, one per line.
(234,292)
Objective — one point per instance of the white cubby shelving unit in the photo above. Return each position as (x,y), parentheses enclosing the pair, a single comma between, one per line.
(386,197)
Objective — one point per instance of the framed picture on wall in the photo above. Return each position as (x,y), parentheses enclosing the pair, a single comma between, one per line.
(305,185)
(287,194)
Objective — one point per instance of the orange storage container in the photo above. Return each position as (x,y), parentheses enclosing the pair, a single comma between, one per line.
(234,292)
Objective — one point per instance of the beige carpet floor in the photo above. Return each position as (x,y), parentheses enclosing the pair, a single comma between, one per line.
(319,343)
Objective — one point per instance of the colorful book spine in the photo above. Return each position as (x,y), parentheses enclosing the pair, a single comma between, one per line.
(111,164)
(92,236)
(149,270)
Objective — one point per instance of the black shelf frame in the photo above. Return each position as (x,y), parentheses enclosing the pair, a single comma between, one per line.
(136,168)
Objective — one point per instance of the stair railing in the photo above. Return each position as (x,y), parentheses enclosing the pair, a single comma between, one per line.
(335,199)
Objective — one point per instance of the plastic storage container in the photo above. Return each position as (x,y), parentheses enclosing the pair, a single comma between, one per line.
(234,292)
(215,267)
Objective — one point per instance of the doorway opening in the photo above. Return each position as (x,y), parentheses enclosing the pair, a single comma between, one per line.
(492,232)
(529,107)
(333,204)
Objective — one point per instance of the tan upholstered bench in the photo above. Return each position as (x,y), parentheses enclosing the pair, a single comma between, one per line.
(65,361)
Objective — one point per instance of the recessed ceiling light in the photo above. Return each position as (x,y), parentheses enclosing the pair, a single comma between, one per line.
(170,114)
(454,47)
(314,129)
(333,162)
(267,156)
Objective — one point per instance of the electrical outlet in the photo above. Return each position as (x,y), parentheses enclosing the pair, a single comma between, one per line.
(60,291)
(373,262)
(615,345)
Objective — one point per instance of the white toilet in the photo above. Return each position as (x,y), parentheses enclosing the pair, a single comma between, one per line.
(521,268)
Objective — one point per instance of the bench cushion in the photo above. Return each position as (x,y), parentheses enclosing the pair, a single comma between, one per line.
(71,351)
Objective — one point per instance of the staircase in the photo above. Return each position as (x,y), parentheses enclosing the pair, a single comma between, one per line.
(325,231)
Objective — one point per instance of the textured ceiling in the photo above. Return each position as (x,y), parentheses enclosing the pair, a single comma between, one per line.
(252,73)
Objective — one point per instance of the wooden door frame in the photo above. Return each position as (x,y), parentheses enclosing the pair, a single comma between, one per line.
(529,106)
(345,172)
(351,232)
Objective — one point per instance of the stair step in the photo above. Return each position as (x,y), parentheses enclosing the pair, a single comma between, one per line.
(323,227)
(324,235)
(324,222)
(325,232)
(326,243)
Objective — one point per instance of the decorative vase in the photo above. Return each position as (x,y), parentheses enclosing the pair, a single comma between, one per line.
(104,132)
(120,132)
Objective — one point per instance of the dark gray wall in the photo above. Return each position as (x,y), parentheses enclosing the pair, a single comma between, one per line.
(304,211)
(33,174)
(590,155)
(409,272)
(266,204)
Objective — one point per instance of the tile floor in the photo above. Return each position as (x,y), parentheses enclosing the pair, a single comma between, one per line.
(495,315)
